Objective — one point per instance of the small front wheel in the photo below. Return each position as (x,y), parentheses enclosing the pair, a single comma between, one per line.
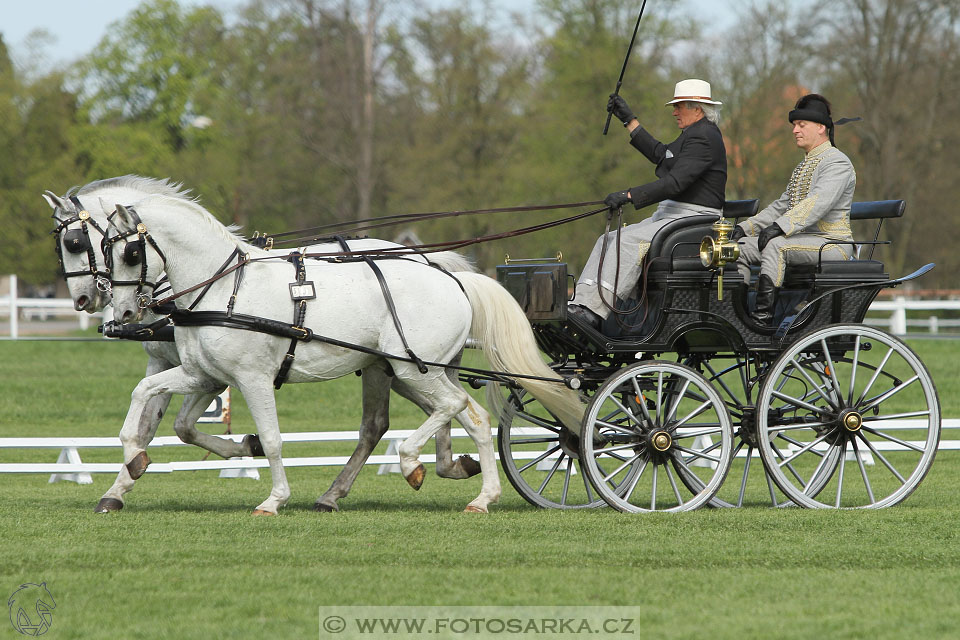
(656,437)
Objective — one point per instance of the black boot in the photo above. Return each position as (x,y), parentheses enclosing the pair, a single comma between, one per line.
(584,316)
(766,299)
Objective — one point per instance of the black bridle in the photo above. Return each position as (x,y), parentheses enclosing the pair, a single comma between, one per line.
(78,241)
(134,253)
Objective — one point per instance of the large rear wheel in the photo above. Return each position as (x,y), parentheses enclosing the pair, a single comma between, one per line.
(848,417)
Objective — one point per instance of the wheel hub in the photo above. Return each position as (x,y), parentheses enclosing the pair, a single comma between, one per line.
(850,420)
(661,440)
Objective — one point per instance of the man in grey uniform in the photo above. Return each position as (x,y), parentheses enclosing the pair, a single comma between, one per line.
(691,180)
(814,210)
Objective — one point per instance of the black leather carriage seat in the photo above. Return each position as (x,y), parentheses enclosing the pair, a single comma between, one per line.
(854,269)
(677,244)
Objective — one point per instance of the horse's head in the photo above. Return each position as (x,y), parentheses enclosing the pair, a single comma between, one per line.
(78,236)
(135,263)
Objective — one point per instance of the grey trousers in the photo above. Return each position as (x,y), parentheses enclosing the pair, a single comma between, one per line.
(803,248)
(634,242)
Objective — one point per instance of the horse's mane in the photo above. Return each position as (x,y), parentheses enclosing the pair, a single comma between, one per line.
(149,186)
(161,189)
(230,232)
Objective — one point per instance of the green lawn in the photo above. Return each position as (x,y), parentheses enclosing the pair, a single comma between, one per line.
(186,560)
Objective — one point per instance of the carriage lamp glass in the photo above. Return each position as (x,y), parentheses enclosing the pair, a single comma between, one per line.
(714,254)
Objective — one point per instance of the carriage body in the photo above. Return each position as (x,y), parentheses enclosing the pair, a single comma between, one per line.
(678,328)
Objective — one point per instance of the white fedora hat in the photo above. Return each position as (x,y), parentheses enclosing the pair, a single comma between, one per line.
(693,90)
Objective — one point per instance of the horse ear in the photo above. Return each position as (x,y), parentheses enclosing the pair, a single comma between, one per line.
(53,200)
(123,221)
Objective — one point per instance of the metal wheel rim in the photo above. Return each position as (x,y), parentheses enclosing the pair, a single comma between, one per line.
(619,441)
(873,466)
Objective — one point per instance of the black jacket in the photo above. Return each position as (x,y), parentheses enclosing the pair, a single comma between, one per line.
(692,168)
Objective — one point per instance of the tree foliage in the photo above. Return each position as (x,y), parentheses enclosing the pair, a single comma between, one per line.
(299,113)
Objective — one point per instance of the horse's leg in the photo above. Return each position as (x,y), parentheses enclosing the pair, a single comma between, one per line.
(375,422)
(258,393)
(447,467)
(186,428)
(476,421)
(146,429)
(445,400)
(147,404)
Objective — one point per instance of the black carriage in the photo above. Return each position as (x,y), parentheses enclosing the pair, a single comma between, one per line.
(685,390)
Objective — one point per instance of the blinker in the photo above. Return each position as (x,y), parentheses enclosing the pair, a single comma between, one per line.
(131,253)
(76,241)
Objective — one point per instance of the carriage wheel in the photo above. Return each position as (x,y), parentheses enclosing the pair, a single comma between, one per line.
(540,455)
(650,425)
(848,417)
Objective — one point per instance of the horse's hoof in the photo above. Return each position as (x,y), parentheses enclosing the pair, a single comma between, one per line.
(262,512)
(470,466)
(252,440)
(138,466)
(323,507)
(415,479)
(106,505)
(472,509)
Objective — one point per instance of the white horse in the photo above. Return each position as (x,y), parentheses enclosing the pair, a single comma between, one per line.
(437,313)
(91,293)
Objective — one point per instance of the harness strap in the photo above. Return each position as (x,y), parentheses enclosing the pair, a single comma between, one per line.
(185,318)
(299,315)
(159,331)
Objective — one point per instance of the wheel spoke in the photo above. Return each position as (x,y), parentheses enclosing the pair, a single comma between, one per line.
(806,448)
(553,470)
(853,369)
(586,482)
(813,384)
(676,403)
(888,394)
(879,455)
(779,454)
(641,400)
(799,403)
(673,484)
(627,411)
(746,471)
(653,490)
(523,440)
(843,465)
(873,378)
(832,371)
(540,422)
(635,481)
(566,481)
(863,471)
(896,416)
(798,443)
(623,466)
(542,457)
(887,436)
(698,454)
(618,428)
(693,414)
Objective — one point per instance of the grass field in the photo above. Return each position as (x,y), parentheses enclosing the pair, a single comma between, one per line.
(186,560)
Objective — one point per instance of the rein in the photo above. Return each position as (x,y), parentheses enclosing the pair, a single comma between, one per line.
(310,233)
(386,252)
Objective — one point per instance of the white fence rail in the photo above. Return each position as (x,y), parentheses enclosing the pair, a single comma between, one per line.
(14,308)
(70,467)
(898,323)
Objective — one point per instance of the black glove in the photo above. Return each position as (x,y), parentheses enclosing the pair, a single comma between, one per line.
(617,199)
(768,234)
(620,109)
(736,234)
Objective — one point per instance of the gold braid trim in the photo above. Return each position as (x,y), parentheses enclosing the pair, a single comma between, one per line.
(643,247)
(798,214)
(838,229)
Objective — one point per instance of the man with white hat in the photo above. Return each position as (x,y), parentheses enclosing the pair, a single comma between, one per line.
(802,225)
(691,180)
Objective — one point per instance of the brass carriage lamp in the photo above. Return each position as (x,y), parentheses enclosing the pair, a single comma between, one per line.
(714,254)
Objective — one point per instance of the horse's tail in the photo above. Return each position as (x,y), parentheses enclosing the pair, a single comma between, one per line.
(452,261)
(508,343)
